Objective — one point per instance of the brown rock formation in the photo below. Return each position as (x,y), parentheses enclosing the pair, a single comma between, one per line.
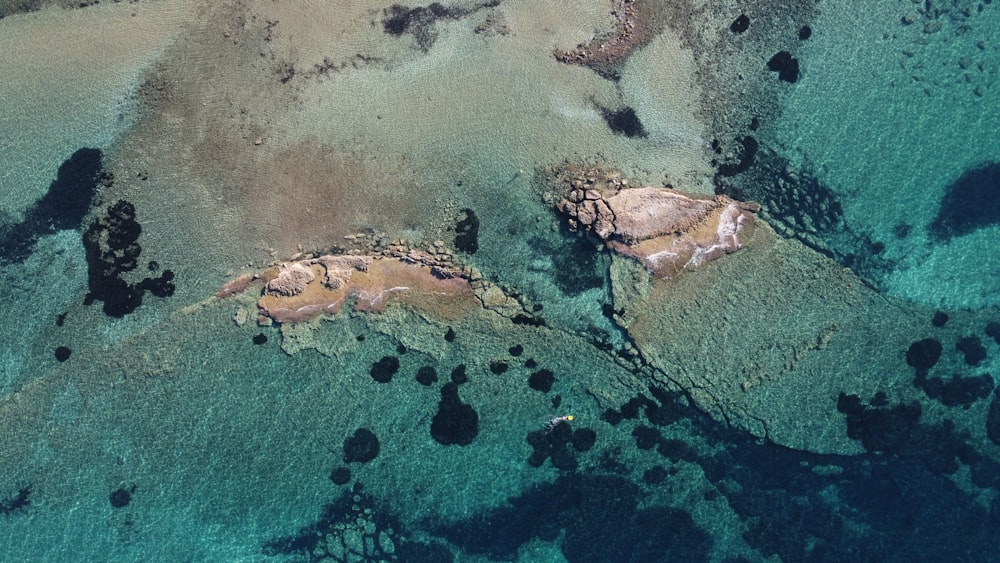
(307,288)
(666,230)
(291,279)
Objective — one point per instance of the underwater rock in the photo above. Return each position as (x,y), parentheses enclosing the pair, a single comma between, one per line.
(785,65)
(956,390)
(383,370)
(121,497)
(467,232)
(455,423)
(63,353)
(940,319)
(112,249)
(635,26)
(427,376)
(340,475)
(993,331)
(663,228)
(16,503)
(304,289)
(398,20)
(973,350)
(993,418)
(970,203)
(924,354)
(542,380)
(740,24)
(879,428)
(623,121)
(361,447)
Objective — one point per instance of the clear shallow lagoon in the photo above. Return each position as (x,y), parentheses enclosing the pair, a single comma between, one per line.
(825,393)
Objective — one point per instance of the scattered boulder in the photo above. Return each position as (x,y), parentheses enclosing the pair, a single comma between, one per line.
(383,370)
(455,423)
(361,447)
(993,331)
(121,497)
(63,353)
(785,65)
(923,355)
(993,419)
(973,350)
(740,24)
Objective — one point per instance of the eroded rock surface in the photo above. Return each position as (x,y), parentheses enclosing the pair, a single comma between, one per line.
(300,290)
(666,230)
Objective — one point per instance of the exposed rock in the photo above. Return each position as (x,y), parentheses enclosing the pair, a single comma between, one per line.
(666,230)
(292,279)
(300,290)
(340,268)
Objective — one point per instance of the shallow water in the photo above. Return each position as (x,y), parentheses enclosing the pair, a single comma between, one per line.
(822,393)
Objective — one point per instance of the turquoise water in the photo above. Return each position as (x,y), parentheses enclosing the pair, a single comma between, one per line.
(825,393)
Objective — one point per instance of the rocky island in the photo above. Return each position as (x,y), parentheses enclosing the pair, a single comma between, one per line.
(307,288)
(668,231)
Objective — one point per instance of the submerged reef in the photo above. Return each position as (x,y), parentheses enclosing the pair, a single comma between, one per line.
(635,26)
(355,527)
(18,502)
(663,228)
(112,246)
(398,20)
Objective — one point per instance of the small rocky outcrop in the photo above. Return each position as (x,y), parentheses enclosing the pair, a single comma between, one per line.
(668,231)
(291,279)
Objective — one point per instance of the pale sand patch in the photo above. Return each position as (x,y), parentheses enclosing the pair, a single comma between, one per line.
(659,83)
(68,82)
